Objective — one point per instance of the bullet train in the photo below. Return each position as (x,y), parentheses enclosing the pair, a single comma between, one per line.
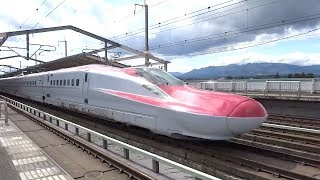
(146,97)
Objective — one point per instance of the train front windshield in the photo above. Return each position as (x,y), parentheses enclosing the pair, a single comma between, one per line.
(158,76)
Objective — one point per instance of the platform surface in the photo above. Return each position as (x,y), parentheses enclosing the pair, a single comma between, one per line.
(21,158)
(26,147)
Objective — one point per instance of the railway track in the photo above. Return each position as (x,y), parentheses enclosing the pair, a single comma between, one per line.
(294,121)
(262,154)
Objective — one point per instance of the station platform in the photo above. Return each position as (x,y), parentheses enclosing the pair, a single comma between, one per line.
(28,151)
(21,158)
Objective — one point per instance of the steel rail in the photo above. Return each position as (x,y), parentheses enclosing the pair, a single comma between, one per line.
(300,129)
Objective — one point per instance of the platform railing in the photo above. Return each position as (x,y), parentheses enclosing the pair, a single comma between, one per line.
(232,86)
(269,88)
(280,87)
(4,112)
(127,148)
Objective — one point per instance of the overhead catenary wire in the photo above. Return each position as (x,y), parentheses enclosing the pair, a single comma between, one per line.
(232,48)
(24,22)
(240,31)
(55,8)
(129,15)
(174,20)
(207,18)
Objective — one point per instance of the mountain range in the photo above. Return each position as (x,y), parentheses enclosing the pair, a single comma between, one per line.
(247,70)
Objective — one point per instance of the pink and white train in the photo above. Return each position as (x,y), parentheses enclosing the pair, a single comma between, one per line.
(146,97)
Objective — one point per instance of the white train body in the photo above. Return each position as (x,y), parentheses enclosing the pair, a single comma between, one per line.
(131,96)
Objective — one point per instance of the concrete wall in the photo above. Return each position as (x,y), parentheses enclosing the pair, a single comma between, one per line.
(292,108)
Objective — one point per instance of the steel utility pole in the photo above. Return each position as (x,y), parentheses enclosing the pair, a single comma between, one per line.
(65,47)
(146,26)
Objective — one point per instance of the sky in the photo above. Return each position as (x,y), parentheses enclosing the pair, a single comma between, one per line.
(191,34)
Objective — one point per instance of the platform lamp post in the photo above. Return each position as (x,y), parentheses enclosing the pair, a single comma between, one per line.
(145,6)
(65,47)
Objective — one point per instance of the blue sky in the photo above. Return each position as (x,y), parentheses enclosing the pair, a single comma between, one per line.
(114,18)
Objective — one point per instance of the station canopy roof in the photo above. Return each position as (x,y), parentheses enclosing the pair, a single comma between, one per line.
(66,62)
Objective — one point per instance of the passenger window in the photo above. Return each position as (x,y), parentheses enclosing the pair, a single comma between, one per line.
(60,82)
(57,83)
(86,77)
(54,82)
(68,82)
(77,82)
(51,82)
(48,79)
(72,82)
(64,82)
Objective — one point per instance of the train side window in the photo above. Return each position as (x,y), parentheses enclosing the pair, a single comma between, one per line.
(54,82)
(48,79)
(86,77)
(68,82)
(57,82)
(51,82)
(72,82)
(60,82)
(77,82)
(64,82)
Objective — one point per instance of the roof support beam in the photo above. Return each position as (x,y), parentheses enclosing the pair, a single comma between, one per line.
(100,38)
(9,57)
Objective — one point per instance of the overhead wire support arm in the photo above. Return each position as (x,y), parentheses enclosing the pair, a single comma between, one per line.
(28,46)
(146,24)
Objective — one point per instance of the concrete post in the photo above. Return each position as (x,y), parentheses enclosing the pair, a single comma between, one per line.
(313,87)
(105,144)
(155,166)
(6,114)
(126,153)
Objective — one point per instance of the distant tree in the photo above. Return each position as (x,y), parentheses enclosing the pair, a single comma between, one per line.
(277,75)
(290,75)
(310,75)
(297,75)
(229,77)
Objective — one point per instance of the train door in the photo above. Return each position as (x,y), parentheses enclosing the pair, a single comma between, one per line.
(42,83)
(85,87)
(45,84)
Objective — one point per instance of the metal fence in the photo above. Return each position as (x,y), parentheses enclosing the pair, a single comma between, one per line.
(4,112)
(127,148)
(266,87)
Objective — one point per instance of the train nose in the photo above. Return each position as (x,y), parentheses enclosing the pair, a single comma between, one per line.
(245,117)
